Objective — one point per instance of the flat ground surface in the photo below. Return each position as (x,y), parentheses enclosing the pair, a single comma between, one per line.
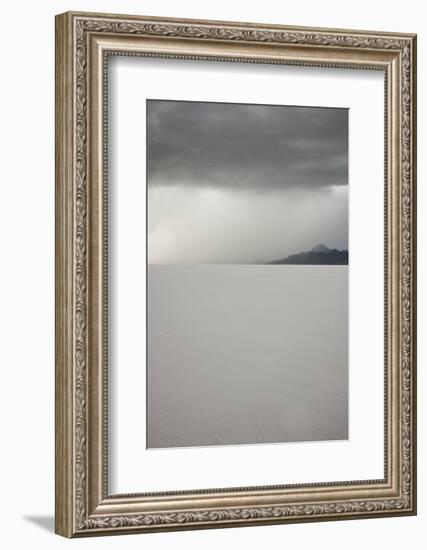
(247,354)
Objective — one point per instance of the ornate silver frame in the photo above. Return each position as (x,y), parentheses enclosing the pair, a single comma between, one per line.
(83,505)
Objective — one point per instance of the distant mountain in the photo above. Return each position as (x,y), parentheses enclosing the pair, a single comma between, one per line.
(321,248)
(318,255)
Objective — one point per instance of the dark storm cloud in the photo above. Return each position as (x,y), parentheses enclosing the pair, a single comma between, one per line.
(247,147)
(232,183)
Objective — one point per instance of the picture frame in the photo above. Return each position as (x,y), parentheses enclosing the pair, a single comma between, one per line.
(84,505)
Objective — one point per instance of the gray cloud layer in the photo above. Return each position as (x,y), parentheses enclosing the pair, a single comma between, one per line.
(244,183)
(247,147)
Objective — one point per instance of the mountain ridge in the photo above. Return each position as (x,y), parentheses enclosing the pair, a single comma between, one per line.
(318,255)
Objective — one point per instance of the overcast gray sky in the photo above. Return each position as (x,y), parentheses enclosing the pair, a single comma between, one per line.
(233,183)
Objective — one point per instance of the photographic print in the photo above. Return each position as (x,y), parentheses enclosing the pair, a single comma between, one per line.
(247,274)
(265,347)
